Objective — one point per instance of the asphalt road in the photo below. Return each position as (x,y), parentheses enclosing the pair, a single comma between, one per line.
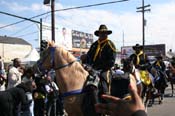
(167,108)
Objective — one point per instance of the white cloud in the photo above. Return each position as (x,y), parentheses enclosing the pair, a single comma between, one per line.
(89,21)
(17,7)
(159,28)
(161,25)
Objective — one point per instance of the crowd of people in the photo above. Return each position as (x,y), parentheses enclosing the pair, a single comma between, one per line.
(23,93)
(31,94)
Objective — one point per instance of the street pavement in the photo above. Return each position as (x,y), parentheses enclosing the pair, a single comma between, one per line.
(167,108)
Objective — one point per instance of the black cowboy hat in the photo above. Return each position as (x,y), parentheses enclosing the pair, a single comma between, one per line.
(137,46)
(102,29)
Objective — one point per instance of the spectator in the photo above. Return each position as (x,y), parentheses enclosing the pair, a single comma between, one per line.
(52,95)
(14,74)
(11,99)
(39,95)
(1,63)
(117,69)
(27,77)
(3,76)
(121,81)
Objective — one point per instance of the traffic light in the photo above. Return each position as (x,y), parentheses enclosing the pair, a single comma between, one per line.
(46,1)
(44,45)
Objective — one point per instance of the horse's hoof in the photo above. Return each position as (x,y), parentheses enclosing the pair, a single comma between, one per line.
(160,102)
(150,105)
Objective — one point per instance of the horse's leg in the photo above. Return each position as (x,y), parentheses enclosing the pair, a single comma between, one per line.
(146,100)
(146,94)
(143,91)
(148,97)
(172,88)
(160,95)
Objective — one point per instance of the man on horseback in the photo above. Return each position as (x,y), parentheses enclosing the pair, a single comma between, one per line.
(140,62)
(160,65)
(139,58)
(101,56)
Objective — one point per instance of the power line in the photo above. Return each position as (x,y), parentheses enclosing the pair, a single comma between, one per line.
(20,30)
(27,34)
(24,19)
(71,8)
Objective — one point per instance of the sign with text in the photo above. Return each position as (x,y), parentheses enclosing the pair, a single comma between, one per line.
(81,39)
(150,50)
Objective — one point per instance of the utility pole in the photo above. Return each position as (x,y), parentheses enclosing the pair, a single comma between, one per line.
(53,19)
(123,37)
(143,10)
(41,34)
(46,2)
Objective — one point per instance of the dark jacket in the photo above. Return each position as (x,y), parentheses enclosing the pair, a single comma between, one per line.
(105,58)
(144,62)
(10,99)
(159,65)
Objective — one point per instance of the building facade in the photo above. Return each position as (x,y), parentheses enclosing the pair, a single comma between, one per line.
(11,48)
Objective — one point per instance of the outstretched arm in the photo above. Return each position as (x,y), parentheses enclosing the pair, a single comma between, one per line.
(119,107)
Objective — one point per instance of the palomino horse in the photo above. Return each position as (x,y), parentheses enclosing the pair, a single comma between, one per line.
(70,77)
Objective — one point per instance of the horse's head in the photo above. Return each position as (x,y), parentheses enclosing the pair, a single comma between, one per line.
(46,61)
(54,58)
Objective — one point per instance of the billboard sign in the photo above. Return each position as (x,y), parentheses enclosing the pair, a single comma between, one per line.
(150,50)
(81,39)
(63,36)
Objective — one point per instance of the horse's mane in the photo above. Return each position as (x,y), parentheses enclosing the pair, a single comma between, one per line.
(64,54)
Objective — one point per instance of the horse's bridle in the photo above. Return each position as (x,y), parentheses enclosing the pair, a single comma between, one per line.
(52,52)
(42,70)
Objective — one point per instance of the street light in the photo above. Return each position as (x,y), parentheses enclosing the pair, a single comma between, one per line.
(46,2)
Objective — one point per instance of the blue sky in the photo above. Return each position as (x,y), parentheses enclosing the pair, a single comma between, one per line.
(119,17)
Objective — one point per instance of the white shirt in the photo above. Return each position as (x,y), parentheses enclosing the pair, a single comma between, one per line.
(14,77)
